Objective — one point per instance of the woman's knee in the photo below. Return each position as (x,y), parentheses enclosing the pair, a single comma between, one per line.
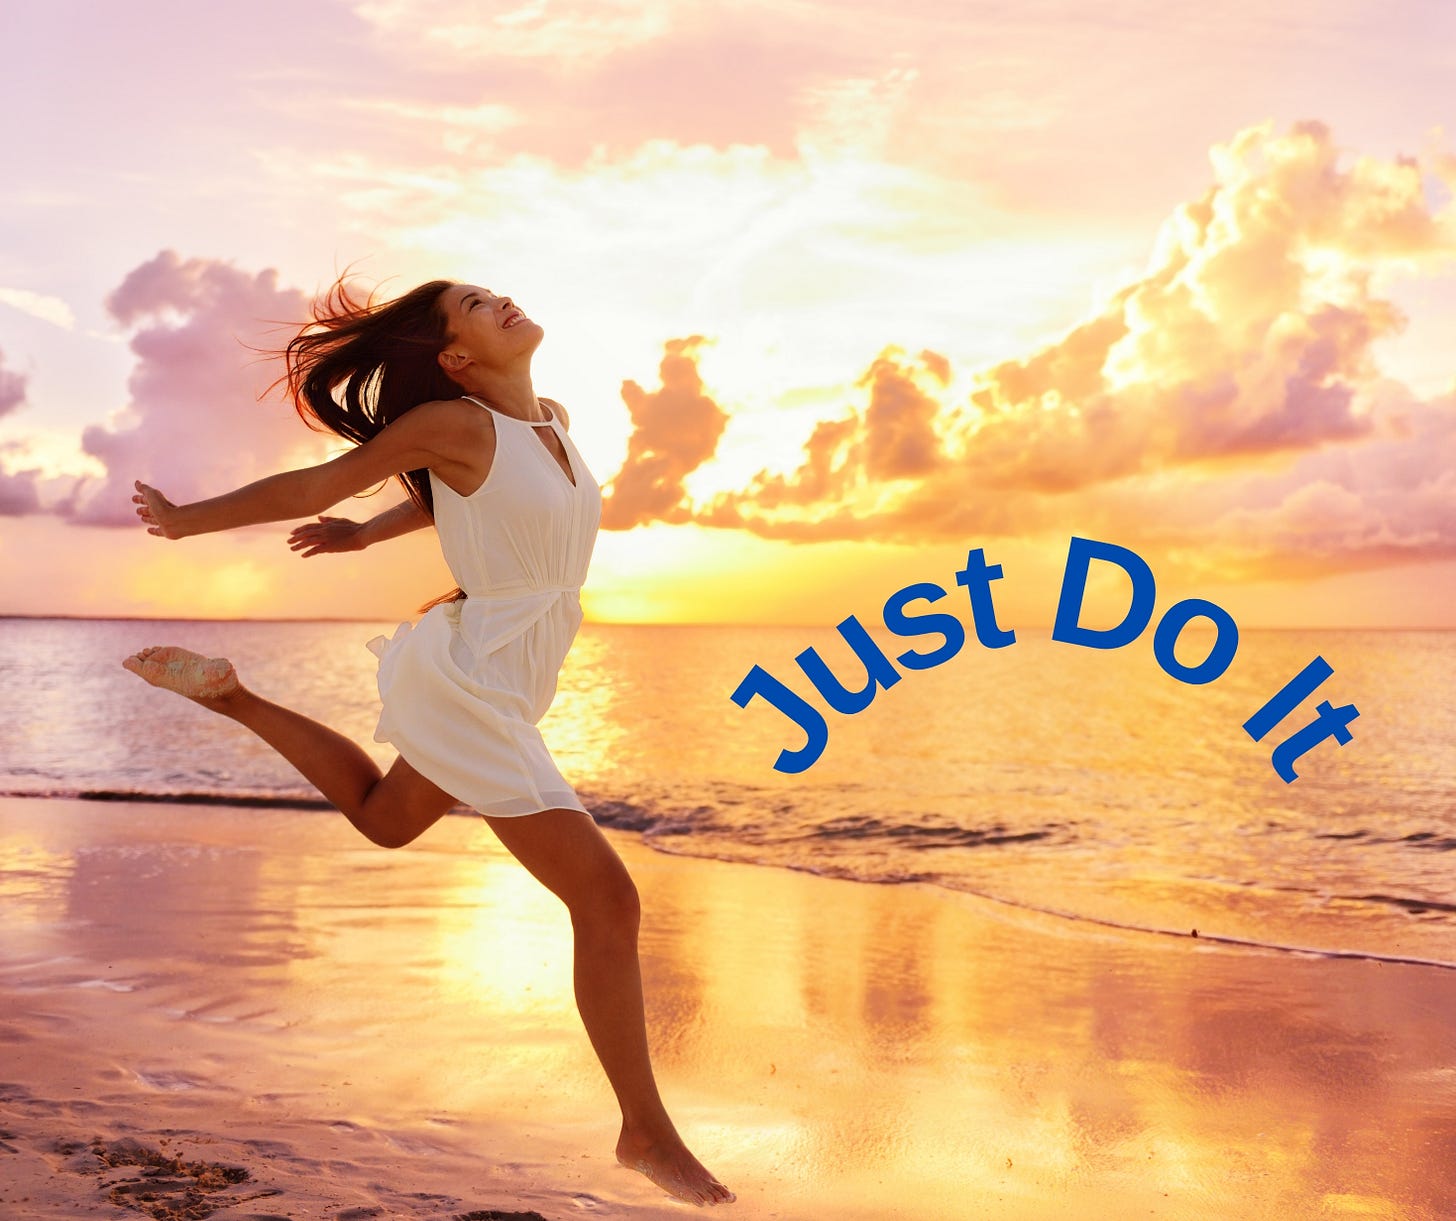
(401,806)
(611,903)
(568,854)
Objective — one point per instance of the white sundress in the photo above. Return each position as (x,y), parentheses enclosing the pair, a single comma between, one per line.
(464,687)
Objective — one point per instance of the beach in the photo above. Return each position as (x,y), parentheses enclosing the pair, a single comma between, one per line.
(254,1013)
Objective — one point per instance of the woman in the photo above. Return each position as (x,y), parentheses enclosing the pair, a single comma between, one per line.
(436,390)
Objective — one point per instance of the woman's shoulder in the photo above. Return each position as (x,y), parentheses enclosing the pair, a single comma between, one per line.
(464,408)
(558,410)
(460,408)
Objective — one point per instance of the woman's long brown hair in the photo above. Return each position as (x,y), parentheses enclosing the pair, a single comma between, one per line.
(383,356)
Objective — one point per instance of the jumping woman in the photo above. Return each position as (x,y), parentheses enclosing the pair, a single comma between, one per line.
(435,389)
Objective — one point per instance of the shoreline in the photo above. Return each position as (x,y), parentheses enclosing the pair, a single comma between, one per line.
(320,805)
(358,1029)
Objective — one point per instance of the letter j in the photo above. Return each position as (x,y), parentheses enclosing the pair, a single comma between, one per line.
(759,681)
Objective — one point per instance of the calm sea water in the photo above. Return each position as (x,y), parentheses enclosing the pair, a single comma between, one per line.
(1088,784)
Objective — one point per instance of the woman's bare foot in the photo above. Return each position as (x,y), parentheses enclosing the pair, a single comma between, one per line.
(205,680)
(668,1163)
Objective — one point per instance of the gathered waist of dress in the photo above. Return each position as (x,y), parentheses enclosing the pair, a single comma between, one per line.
(511,592)
(492,621)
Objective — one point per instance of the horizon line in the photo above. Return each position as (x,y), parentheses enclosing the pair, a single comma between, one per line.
(668,623)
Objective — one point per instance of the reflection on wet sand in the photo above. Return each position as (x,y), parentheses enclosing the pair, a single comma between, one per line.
(831,1048)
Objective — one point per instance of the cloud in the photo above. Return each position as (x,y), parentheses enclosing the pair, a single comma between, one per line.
(575,31)
(19,490)
(48,309)
(19,494)
(12,389)
(674,430)
(194,426)
(1229,396)
(578,82)
(1389,500)
(896,439)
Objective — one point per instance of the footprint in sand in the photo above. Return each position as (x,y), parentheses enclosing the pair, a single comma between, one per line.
(161,1185)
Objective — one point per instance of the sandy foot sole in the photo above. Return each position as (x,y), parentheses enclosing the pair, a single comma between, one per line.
(185,672)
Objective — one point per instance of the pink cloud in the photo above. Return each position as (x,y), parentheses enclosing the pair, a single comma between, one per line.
(582,76)
(18,492)
(12,388)
(197,428)
(1389,500)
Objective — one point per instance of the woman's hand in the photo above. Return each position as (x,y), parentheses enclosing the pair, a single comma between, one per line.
(327,534)
(160,514)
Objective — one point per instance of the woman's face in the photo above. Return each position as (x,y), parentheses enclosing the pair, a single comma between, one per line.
(488,330)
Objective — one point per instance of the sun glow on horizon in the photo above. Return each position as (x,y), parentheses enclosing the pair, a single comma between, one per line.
(824,306)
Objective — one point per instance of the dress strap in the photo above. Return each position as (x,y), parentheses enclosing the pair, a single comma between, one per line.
(496,411)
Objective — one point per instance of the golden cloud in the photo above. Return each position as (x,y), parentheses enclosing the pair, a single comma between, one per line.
(1228,397)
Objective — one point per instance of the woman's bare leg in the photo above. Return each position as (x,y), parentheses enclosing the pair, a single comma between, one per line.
(564,849)
(567,852)
(390,809)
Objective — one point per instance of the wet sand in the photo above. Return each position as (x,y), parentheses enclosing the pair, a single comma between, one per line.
(257,1014)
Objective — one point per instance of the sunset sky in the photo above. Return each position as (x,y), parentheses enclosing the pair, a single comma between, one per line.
(833,291)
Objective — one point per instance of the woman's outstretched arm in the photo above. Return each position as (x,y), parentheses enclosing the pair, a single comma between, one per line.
(336,534)
(272,498)
(401,519)
(420,438)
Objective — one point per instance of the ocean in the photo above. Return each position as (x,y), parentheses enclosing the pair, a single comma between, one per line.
(1084,783)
